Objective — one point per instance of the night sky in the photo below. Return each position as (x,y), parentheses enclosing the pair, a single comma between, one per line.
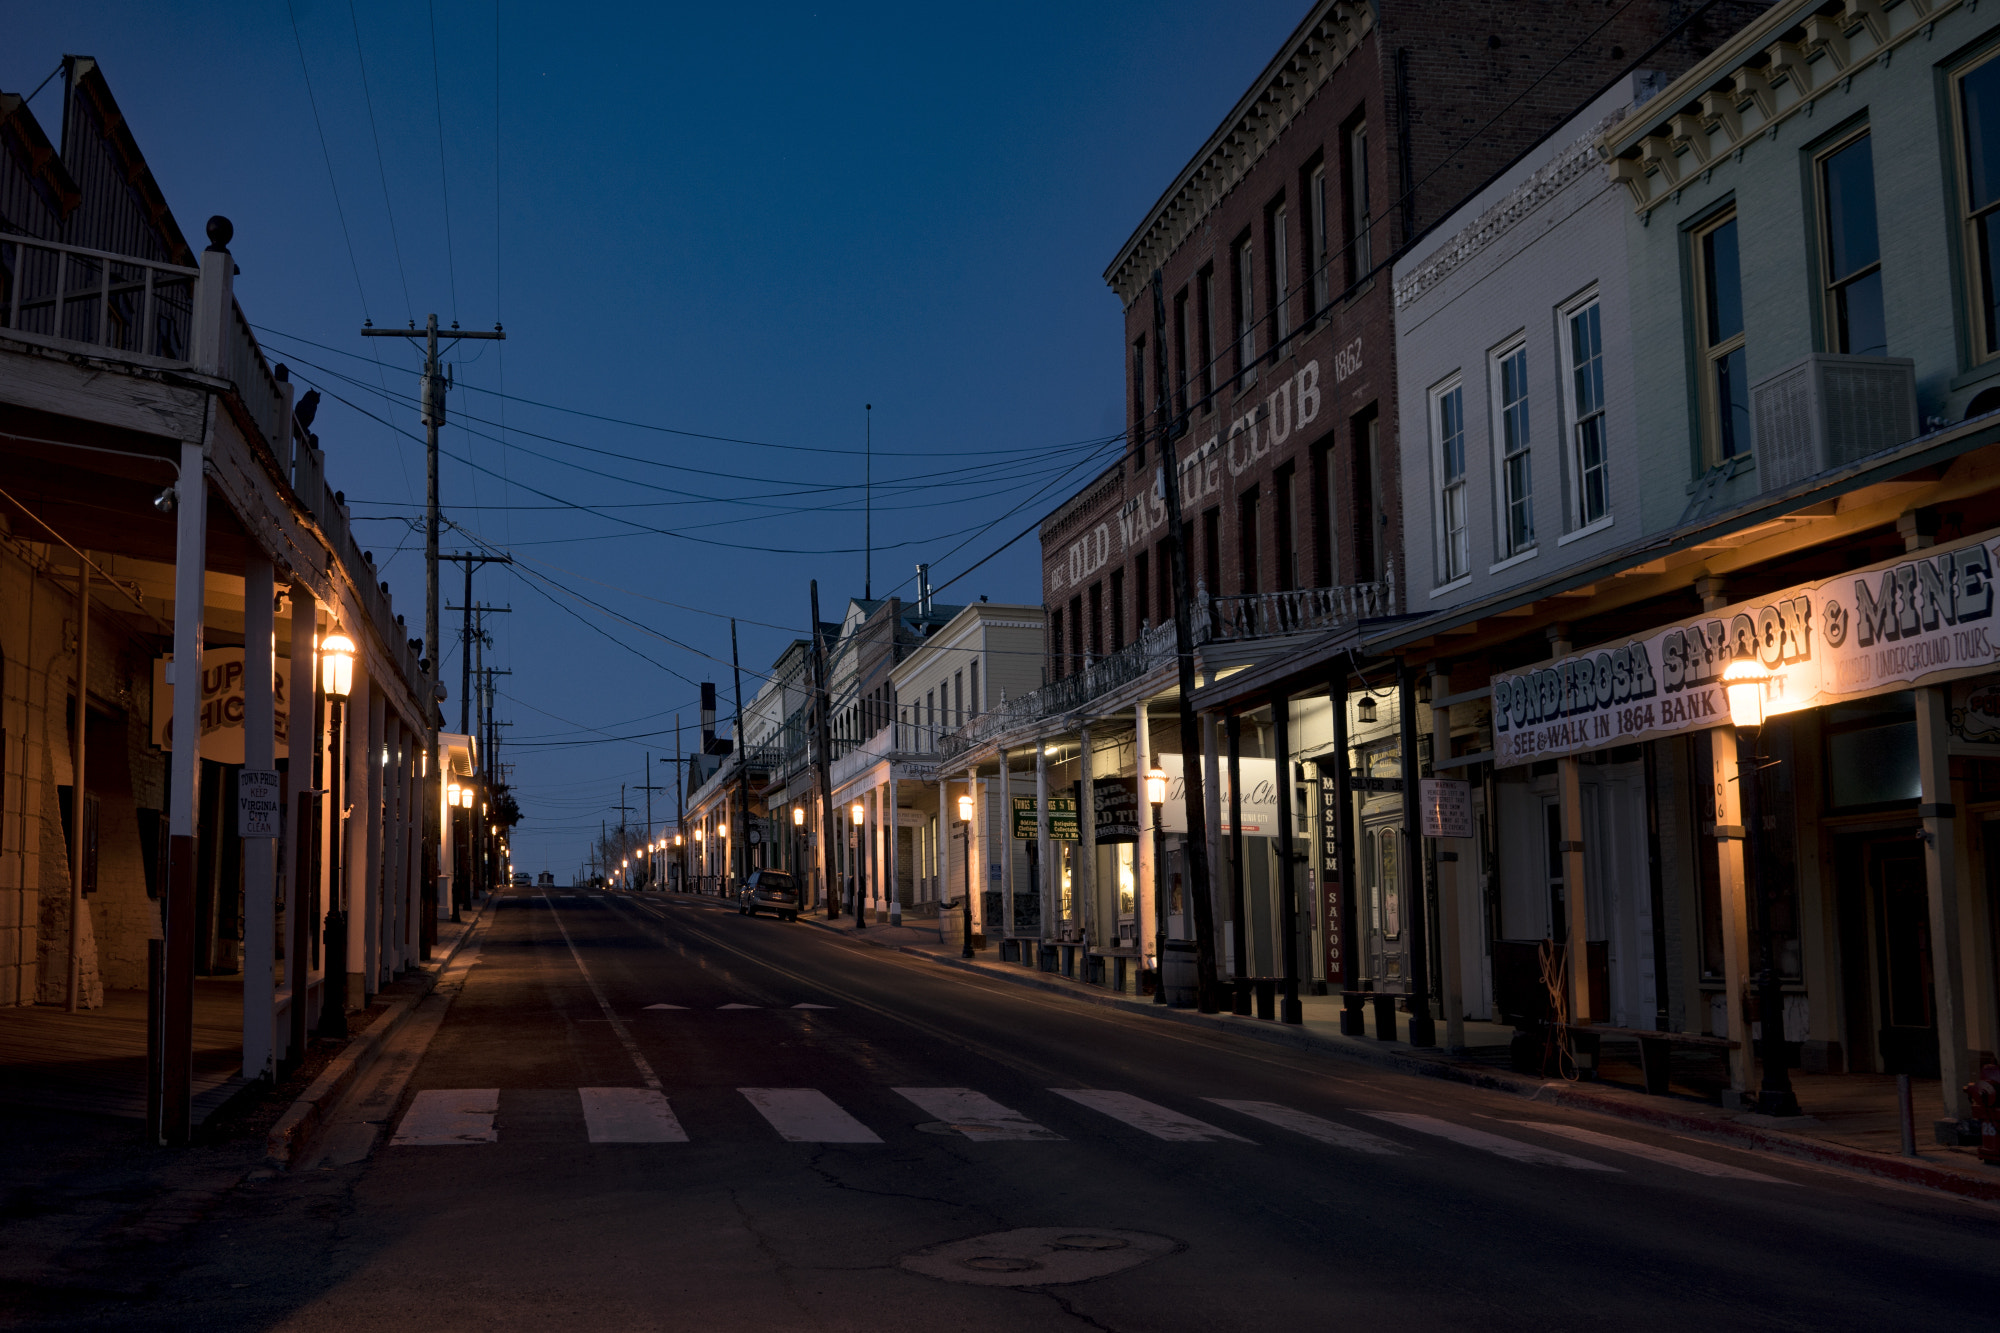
(726,221)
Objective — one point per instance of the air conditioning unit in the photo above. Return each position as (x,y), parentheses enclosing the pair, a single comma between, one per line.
(1827,410)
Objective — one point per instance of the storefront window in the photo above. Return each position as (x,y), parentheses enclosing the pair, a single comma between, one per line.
(1871,751)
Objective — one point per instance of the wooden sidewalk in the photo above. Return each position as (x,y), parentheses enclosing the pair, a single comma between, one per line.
(95,1061)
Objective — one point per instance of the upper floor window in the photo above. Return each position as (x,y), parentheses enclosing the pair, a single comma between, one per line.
(1321,285)
(1853,253)
(1281,273)
(1205,347)
(1725,381)
(1246,313)
(1360,250)
(1584,342)
(1139,392)
(1510,436)
(1448,429)
(1181,353)
(1979,195)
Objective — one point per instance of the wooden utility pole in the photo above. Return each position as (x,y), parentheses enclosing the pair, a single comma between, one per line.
(823,760)
(435,384)
(1196,849)
(742,764)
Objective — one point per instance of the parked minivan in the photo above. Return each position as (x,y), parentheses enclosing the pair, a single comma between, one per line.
(770,890)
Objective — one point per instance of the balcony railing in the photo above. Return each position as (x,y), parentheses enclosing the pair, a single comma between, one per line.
(115,302)
(1265,615)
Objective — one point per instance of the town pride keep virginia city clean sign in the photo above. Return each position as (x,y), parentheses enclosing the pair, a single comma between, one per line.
(1922,618)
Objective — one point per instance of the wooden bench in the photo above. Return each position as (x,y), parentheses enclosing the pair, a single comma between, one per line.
(1656,1049)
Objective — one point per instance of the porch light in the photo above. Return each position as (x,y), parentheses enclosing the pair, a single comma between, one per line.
(697,835)
(1745,680)
(859,814)
(336,665)
(965,808)
(451,794)
(1364,708)
(677,839)
(465,796)
(722,829)
(798,816)
(1156,786)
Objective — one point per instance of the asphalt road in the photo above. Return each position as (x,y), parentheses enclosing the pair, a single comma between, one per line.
(567,1152)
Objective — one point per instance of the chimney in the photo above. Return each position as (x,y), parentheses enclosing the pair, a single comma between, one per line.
(923,590)
(708,717)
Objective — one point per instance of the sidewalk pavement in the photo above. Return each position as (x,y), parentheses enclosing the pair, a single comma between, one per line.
(1852,1120)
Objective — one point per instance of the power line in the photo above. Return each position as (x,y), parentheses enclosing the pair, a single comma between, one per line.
(326,156)
(381,168)
(444,181)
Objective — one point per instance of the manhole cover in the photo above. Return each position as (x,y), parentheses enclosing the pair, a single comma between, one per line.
(1039,1256)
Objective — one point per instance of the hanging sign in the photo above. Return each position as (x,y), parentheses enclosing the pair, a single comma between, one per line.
(1260,796)
(1447,807)
(1329,877)
(1922,618)
(221,704)
(1063,823)
(1116,809)
(258,804)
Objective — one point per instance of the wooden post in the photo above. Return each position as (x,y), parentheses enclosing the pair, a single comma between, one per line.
(78,745)
(260,751)
(1147,904)
(1941,878)
(1084,881)
(1451,963)
(184,793)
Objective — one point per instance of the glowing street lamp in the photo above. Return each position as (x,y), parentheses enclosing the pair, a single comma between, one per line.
(336,661)
(1746,680)
(965,819)
(860,816)
(1156,796)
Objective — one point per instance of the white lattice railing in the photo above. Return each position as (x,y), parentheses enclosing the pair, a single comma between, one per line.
(1264,615)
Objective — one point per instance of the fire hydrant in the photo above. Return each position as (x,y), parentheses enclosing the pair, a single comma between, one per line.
(1984,1093)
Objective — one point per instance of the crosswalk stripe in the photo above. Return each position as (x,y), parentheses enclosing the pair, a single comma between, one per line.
(629,1115)
(449,1115)
(975,1115)
(810,1005)
(1312,1126)
(1493,1143)
(1150,1117)
(739,1006)
(807,1115)
(1701,1166)
(666,1006)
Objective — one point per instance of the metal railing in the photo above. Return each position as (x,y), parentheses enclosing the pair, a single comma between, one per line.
(1264,615)
(116,302)
(1153,648)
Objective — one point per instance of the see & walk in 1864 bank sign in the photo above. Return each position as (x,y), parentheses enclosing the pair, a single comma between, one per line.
(1923,618)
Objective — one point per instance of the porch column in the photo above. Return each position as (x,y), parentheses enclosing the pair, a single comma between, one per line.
(1048,872)
(892,832)
(1239,938)
(352,823)
(378,911)
(413,858)
(260,878)
(1452,980)
(1288,881)
(1941,877)
(941,852)
(1423,1028)
(1211,791)
(1084,880)
(975,841)
(183,799)
(302,732)
(1576,906)
(1005,840)
(1146,903)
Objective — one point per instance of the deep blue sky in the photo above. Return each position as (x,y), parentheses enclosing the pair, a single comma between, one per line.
(743,221)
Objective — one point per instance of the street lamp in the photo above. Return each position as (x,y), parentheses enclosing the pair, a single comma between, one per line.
(1156,796)
(799,852)
(965,819)
(1746,681)
(336,680)
(860,867)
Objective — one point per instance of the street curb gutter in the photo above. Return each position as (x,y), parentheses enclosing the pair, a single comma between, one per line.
(295,1131)
(1573,1096)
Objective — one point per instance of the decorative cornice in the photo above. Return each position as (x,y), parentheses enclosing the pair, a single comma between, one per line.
(1549,180)
(1319,46)
(1772,70)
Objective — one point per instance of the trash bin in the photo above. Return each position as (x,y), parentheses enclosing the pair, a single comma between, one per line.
(1177,974)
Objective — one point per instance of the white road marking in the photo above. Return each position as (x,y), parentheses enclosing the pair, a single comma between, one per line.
(646,1074)
(1312,1126)
(739,1006)
(1701,1166)
(666,1006)
(1144,1115)
(975,1115)
(812,1006)
(807,1115)
(1513,1149)
(629,1115)
(449,1115)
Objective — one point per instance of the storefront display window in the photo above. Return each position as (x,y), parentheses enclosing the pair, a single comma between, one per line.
(1871,751)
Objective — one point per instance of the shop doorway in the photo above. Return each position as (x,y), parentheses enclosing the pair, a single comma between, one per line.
(1886,952)
(1382,884)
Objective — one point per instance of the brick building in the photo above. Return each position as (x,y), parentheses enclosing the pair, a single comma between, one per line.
(1273,319)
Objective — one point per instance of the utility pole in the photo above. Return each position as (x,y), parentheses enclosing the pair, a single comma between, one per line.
(649,789)
(435,384)
(470,560)
(823,761)
(680,804)
(1197,810)
(742,762)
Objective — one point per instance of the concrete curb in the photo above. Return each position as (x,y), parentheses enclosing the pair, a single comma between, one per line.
(1666,1115)
(295,1131)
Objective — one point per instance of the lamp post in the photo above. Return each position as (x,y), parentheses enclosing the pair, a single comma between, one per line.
(337,680)
(860,816)
(1746,681)
(1156,796)
(799,851)
(965,822)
